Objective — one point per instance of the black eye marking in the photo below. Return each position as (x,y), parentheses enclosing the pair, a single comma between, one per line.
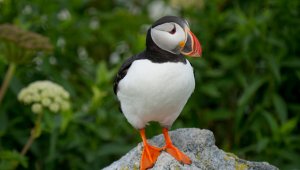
(173,30)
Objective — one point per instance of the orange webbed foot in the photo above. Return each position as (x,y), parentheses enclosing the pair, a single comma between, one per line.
(177,154)
(149,156)
(173,150)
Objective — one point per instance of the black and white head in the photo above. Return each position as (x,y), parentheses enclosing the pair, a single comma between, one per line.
(172,34)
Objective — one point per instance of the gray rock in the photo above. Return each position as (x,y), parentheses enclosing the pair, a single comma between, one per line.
(199,145)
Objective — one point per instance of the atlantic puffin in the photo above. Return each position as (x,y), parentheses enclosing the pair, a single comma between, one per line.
(155,84)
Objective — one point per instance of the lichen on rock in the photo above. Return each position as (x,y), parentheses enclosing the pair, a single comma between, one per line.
(199,145)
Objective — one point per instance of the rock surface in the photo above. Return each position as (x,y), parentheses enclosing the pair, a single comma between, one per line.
(199,145)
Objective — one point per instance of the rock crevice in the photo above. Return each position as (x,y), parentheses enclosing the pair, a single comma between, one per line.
(199,145)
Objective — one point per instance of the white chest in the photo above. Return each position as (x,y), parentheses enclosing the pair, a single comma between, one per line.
(155,91)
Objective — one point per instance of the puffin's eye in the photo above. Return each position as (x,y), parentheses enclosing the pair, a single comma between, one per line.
(173,30)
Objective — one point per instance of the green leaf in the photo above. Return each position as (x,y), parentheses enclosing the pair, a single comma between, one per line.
(289,126)
(214,73)
(9,159)
(98,95)
(220,114)
(250,91)
(292,62)
(298,74)
(210,90)
(289,155)
(272,123)
(280,107)
(275,68)
(102,74)
(262,144)
(113,149)
(66,118)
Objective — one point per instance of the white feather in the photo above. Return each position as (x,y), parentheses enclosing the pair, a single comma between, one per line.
(155,92)
(165,40)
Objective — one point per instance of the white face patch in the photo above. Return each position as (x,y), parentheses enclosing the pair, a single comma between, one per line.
(167,36)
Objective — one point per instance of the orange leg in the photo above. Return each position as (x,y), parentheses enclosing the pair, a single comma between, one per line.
(172,150)
(149,154)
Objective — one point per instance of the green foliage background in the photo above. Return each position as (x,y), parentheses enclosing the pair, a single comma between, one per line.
(247,88)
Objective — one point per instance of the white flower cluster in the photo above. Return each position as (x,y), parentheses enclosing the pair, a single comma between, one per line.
(45,95)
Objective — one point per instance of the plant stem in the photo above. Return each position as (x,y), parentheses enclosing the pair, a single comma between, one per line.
(28,144)
(35,132)
(6,81)
(33,135)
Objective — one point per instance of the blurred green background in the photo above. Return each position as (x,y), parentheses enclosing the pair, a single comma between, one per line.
(247,82)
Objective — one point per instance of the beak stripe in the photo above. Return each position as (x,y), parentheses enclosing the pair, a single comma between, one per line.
(192,46)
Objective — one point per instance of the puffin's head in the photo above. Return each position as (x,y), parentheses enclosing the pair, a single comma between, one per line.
(173,34)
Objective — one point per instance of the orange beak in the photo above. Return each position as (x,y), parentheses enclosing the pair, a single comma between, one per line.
(192,46)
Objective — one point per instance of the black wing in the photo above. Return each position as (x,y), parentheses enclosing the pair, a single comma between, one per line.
(124,68)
